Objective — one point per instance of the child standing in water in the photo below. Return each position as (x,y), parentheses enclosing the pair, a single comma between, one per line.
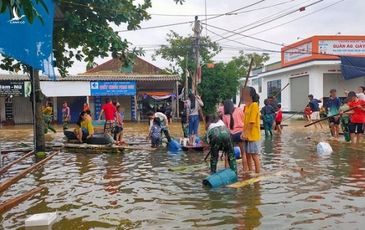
(278,119)
(219,139)
(251,128)
(155,133)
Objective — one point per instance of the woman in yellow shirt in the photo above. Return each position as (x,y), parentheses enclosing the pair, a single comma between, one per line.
(251,128)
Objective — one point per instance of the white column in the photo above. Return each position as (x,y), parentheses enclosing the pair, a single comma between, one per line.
(55,109)
(316,82)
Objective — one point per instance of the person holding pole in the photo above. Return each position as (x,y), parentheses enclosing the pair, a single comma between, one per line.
(194,104)
(357,117)
(332,107)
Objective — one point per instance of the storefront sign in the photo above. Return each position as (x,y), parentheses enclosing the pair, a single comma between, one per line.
(15,88)
(342,47)
(298,52)
(113,88)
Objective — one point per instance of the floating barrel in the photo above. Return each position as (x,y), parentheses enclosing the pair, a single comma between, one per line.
(237,152)
(220,178)
(173,146)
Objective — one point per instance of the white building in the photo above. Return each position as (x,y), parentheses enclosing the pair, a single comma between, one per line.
(310,66)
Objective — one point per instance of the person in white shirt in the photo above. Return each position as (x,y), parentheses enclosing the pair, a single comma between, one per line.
(163,123)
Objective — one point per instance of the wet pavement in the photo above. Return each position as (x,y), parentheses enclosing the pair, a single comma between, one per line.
(136,190)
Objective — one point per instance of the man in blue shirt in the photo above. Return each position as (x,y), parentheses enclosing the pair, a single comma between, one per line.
(314,104)
(333,107)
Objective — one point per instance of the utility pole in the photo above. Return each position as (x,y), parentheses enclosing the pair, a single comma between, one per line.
(38,125)
(186,77)
(197,31)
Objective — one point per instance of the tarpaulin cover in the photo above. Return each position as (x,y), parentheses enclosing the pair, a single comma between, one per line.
(29,43)
(352,67)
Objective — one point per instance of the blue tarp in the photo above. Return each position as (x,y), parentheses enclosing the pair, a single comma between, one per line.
(352,67)
(28,43)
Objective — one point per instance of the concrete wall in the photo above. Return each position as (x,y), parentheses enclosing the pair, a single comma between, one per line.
(335,81)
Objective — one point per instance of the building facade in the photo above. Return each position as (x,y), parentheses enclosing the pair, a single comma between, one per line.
(310,66)
(130,88)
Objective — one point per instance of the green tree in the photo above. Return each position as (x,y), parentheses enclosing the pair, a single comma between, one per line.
(27,6)
(242,61)
(218,83)
(222,82)
(180,52)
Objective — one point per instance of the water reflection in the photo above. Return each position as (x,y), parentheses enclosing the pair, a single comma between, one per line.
(135,189)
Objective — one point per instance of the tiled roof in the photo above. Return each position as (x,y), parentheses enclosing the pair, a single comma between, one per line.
(96,77)
(140,66)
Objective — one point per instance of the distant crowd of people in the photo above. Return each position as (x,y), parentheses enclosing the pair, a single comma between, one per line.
(349,114)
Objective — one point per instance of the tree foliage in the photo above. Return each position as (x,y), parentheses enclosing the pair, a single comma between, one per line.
(86,30)
(180,51)
(222,82)
(242,61)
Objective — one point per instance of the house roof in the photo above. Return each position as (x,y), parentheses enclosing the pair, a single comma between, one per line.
(140,66)
(106,76)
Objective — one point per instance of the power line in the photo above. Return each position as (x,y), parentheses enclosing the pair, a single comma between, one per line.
(238,42)
(298,18)
(270,16)
(227,14)
(186,22)
(246,36)
(279,16)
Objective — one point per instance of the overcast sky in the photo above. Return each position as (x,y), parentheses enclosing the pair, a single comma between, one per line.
(346,17)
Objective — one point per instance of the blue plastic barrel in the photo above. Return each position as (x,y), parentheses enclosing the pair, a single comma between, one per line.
(174,146)
(237,152)
(220,178)
(98,123)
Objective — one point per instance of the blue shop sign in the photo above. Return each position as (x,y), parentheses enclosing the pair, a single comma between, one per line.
(113,88)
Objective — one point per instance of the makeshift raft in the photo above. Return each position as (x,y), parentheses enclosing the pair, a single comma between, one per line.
(90,148)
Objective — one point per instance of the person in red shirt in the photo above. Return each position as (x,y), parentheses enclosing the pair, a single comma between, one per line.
(357,117)
(109,112)
(278,119)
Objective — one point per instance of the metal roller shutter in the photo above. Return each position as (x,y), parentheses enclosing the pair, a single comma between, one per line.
(299,90)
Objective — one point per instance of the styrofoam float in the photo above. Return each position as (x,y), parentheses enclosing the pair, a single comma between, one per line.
(41,219)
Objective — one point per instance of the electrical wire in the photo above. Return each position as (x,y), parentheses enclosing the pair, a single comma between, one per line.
(271,16)
(269,19)
(228,14)
(238,42)
(298,18)
(187,22)
(246,36)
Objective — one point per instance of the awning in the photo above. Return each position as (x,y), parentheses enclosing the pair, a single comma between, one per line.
(352,67)
(65,89)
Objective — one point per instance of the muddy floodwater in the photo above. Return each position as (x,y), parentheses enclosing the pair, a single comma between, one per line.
(136,190)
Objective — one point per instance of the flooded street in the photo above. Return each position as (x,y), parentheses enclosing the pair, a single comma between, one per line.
(136,190)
